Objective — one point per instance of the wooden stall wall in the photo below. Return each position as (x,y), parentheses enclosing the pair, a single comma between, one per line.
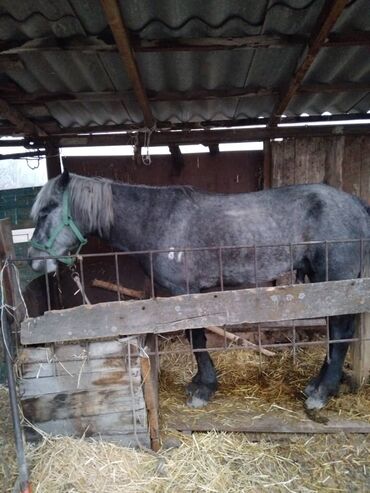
(226,172)
(343,162)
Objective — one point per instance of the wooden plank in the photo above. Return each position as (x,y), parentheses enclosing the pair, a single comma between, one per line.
(365,170)
(109,424)
(124,439)
(85,403)
(277,153)
(288,171)
(77,352)
(75,368)
(334,162)
(317,151)
(352,167)
(88,381)
(244,421)
(162,315)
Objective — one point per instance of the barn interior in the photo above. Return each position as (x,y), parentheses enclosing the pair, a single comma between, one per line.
(292,76)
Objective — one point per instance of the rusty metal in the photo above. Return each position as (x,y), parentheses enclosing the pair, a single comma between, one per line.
(293,343)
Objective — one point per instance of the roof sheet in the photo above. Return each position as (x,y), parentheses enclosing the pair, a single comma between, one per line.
(61,71)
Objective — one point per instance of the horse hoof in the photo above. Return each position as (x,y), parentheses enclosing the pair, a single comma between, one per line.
(314,403)
(199,395)
(311,387)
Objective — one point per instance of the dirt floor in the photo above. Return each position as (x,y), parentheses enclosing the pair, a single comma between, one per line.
(213,461)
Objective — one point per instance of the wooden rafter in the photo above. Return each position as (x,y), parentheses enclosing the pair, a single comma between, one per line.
(22,124)
(209,137)
(52,128)
(120,34)
(39,98)
(327,18)
(90,44)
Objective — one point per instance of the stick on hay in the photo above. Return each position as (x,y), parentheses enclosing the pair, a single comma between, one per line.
(109,286)
(238,340)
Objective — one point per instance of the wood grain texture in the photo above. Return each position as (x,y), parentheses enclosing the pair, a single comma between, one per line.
(162,315)
(84,403)
(267,423)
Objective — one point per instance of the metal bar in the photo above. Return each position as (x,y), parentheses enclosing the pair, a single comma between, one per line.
(151,274)
(117,276)
(221,269)
(47,287)
(115,20)
(83,294)
(277,345)
(22,155)
(325,22)
(198,249)
(18,438)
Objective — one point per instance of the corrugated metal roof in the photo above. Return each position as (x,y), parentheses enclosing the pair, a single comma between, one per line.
(61,71)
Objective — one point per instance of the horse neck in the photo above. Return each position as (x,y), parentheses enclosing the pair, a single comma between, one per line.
(133,206)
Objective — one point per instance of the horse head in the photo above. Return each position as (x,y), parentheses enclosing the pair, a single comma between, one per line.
(56,232)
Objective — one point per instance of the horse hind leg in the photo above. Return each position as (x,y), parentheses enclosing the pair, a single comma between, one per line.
(327,383)
(204,384)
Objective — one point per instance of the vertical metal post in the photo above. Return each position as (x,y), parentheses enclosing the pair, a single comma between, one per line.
(18,438)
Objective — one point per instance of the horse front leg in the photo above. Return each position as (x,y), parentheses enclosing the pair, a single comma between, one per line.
(327,383)
(204,383)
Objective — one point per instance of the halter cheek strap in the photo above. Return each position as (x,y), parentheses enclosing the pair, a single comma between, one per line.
(68,222)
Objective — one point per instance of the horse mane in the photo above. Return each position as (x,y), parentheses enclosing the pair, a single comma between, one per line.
(91,201)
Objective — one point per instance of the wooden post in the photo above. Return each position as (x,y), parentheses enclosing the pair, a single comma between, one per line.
(360,353)
(149,373)
(11,288)
(53,166)
(267,162)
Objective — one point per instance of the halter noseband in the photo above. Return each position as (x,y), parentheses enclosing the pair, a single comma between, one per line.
(68,222)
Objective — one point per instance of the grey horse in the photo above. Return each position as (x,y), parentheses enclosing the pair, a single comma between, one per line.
(299,218)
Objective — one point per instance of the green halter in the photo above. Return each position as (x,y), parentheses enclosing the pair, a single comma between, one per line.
(68,222)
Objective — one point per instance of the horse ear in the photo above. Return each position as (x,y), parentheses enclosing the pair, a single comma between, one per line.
(64,179)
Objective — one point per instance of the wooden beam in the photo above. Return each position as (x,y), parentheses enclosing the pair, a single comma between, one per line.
(22,124)
(178,162)
(53,166)
(213,149)
(114,17)
(208,137)
(90,44)
(267,164)
(42,98)
(161,315)
(327,18)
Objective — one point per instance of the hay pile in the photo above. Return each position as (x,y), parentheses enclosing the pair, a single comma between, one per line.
(8,465)
(209,462)
(271,385)
(216,462)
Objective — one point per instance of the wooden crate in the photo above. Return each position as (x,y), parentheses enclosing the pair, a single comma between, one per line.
(91,389)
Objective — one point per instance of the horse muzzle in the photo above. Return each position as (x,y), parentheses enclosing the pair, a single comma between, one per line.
(39,264)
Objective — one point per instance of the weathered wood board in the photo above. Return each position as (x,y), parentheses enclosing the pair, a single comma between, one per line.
(267,423)
(85,389)
(162,315)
